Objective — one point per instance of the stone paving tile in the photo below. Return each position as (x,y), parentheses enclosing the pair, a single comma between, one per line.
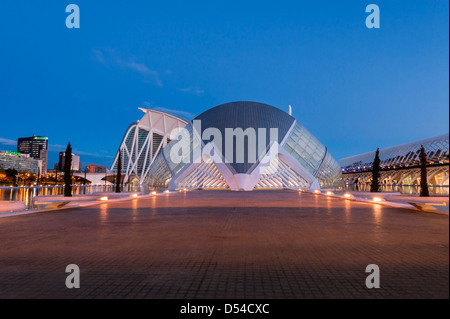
(217,244)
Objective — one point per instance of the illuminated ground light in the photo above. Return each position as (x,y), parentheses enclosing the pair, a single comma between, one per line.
(347,195)
(185,189)
(167,191)
(153,193)
(329,193)
(134,195)
(103,198)
(377,199)
(316,191)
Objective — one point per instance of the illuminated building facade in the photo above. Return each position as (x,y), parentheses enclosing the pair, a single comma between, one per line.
(22,163)
(255,146)
(400,165)
(36,147)
(76,164)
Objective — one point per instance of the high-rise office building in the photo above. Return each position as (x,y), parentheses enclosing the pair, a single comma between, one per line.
(36,147)
(23,163)
(76,164)
(43,156)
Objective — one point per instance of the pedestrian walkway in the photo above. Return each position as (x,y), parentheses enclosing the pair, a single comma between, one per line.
(222,244)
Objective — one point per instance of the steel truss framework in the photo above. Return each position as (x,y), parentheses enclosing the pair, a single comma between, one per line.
(399,164)
(143,142)
(279,175)
(206,175)
(405,155)
(279,169)
(276,175)
(299,160)
(436,176)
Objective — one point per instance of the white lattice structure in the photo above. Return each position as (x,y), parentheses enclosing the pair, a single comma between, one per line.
(436,176)
(143,142)
(279,175)
(280,170)
(405,155)
(400,164)
(206,175)
(293,158)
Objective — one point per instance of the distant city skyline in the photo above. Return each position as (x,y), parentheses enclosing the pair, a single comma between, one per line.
(354,88)
(54,150)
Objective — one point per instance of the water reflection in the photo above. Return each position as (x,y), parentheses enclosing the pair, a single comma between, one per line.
(103,214)
(154,206)
(378,215)
(329,206)
(134,206)
(347,211)
(26,194)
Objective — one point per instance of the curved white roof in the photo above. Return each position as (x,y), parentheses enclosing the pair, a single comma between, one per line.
(437,149)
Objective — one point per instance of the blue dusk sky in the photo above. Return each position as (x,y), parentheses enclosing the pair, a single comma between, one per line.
(354,88)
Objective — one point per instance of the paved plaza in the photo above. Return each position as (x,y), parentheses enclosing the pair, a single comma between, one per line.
(222,244)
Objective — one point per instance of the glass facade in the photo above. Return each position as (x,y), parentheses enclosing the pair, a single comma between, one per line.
(32,145)
(159,175)
(36,147)
(129,136)
(153,154)
(164,168)
(305,148)
(187,137)
(329,173)
(23,163)
(313,155)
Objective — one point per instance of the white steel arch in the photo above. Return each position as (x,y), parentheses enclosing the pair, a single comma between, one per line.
(400,164)
(436,176)
(436,148)
(143,142)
